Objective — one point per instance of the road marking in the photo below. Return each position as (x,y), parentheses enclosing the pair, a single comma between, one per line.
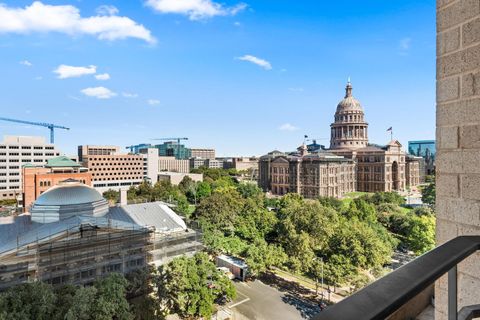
(238,303)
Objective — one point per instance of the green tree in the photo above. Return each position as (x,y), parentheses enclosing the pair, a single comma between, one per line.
(428,194)
(260,256)
(110,301)
(112,195)
(220,209)
(384,197)
(34,300)
(249,190)
(203,190)
(190,286)
(420,233)
(82,304)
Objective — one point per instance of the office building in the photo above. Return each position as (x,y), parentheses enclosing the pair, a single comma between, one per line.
(89,150)
(176,177)
(110,169)
(426,150)
(196,163)
(173,165)
(16,151)
(202,153)
(174,149)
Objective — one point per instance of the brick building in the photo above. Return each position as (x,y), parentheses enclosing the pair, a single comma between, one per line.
(38,179)
(112,170)
(311,175)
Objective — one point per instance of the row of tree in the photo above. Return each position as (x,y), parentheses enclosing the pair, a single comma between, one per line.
(187,286)
(352,238)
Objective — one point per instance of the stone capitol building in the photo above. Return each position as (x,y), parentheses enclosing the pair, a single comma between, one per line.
(351,164)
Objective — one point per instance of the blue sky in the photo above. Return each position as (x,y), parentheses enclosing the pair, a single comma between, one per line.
(242,77)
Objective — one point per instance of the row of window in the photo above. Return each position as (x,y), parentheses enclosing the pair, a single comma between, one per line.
(9,174)
(26,147)
(135,158)
(355,117)
(25,154)
(23,160)
(115,184)
(102,174)
(120,169)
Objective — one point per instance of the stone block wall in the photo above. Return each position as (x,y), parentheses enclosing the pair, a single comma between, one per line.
(458,140)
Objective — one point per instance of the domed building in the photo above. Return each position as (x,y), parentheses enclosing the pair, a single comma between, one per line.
(378,167)
(349,131)
(351,163)
(72,236)
(69,198)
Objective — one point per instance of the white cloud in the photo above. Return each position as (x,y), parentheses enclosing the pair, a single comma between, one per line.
(153,102)
(99,92)
(63,71)
(129,95)
(106,10)
(259,62)
(26,63)
(39,17)
(38,78)
(287,127)
(103,76)
(405,45)
(195,9)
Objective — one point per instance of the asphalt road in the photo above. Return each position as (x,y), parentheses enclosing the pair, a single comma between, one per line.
(261,302)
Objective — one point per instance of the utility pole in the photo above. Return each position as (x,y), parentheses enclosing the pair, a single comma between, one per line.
(321,259)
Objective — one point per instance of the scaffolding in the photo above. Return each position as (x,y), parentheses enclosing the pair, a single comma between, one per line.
(78,255)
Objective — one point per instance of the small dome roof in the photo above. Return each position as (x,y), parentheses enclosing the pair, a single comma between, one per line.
(349,103)
(69,193)
(68,199)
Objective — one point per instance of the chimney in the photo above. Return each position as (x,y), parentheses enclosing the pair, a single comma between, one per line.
(123,197)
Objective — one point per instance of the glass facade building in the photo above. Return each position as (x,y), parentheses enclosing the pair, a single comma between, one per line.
(173,149)
(426,150)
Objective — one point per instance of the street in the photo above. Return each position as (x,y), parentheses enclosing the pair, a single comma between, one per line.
(257,300)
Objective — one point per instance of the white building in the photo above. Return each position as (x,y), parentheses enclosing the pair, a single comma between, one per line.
(16,151)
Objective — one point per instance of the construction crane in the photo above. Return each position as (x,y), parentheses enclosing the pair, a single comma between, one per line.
(137,147)
(173,139)
(50,126)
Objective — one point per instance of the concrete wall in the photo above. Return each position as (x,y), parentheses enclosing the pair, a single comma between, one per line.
(458,139)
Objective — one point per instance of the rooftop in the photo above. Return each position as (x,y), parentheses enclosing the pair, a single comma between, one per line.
(61,161)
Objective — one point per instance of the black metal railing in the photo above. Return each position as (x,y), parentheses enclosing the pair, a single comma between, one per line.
(386,295)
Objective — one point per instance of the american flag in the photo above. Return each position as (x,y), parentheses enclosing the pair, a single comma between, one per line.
(390,129)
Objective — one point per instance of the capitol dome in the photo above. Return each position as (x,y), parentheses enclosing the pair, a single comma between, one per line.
(349,103)
(69,198)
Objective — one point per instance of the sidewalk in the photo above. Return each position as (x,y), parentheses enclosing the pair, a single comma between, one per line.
(302,287)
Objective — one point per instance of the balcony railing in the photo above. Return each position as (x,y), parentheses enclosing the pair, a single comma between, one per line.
(386,295)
